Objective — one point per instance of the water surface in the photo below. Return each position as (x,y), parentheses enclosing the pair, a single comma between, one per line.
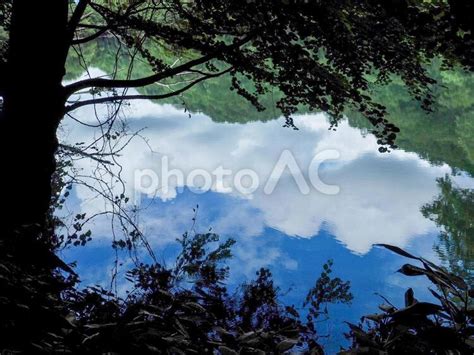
(290,231)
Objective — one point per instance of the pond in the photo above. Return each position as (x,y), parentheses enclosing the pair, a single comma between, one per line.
(292,199)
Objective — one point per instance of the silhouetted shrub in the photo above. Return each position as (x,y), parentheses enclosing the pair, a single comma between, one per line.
(446,327)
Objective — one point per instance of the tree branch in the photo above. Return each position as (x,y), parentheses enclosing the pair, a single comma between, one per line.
(94,156)
(134,83)
(76,18)
(89,38)
(142,97)
(90,26)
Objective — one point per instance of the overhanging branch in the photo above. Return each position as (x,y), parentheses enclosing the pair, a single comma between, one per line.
(134,83)
(102,100)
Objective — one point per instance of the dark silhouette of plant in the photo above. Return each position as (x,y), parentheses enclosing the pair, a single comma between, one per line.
(446,327)
(187,308)
(31,306)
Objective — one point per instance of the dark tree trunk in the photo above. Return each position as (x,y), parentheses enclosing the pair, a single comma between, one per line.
(33,106)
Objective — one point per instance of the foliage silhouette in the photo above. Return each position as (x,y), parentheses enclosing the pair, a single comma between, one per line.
(420,327)
(182,309)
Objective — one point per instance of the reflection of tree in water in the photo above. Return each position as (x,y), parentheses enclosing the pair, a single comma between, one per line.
(443,136)
(453,210)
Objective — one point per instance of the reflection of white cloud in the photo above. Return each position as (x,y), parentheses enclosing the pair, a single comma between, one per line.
(380,195)
(251,254)
(379,201)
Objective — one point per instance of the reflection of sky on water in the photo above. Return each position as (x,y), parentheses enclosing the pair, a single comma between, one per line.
(292,233)
(295,262)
